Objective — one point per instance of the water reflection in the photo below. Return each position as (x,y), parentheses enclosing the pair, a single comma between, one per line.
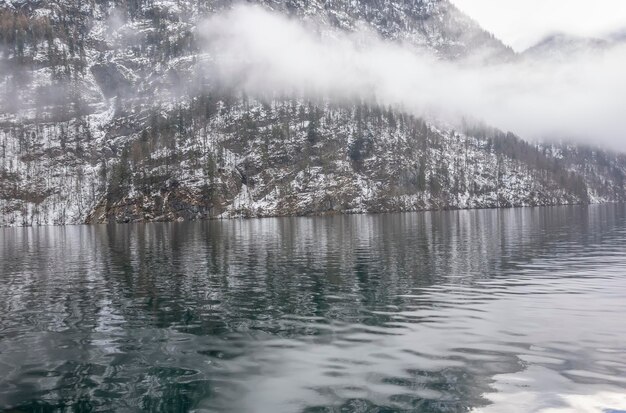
(450,311)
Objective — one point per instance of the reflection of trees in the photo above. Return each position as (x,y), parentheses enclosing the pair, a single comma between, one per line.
(162,315)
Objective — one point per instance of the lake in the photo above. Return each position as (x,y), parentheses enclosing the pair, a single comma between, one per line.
(514,310)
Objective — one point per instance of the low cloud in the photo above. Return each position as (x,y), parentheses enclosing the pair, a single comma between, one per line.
(581,98)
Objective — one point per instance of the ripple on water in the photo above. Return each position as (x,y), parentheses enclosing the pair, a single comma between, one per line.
(508,310)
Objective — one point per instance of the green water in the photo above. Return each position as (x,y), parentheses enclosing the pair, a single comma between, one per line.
(493,310)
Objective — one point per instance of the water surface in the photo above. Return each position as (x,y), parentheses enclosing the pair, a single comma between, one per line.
(514,310)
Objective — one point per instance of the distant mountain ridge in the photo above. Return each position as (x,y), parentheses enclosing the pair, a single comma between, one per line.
(106,117)
(561,45)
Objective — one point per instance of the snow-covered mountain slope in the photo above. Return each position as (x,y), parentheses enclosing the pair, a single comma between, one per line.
(562,46)
(234,156)
(105,116)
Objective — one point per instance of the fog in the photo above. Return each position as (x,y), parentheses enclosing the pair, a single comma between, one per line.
(581,98)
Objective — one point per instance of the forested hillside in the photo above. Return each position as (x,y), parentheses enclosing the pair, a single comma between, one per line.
(107,114)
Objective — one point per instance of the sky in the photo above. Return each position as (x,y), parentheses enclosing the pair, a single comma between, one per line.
(522,23)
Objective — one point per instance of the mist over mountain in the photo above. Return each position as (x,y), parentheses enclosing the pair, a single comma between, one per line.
(539,94)
(153,110)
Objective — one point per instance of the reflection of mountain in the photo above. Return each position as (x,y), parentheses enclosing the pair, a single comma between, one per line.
(391,310)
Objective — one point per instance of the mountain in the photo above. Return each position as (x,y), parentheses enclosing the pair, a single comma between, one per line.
(618,36)
(106,116)
(563,46)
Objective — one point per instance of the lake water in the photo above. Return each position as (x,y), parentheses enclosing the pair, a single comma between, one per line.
(516,310)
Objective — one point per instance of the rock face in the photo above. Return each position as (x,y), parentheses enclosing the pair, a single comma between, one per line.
(105,117)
